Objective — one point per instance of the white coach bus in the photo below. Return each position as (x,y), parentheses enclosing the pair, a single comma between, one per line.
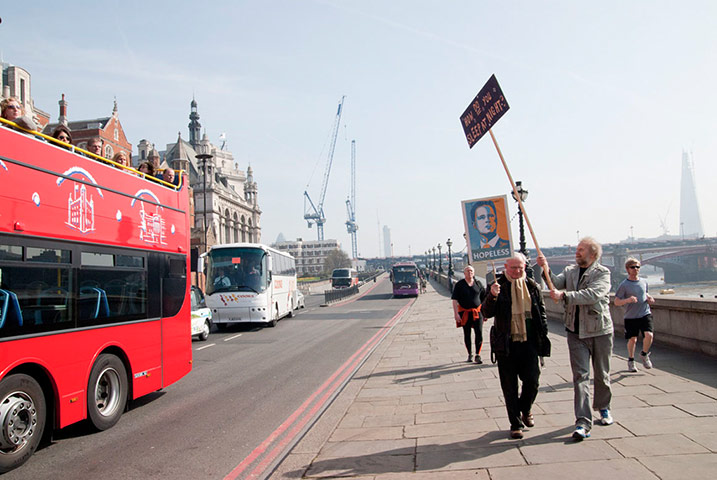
(249,283)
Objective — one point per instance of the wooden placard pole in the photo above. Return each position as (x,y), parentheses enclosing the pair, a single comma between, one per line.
(520,203)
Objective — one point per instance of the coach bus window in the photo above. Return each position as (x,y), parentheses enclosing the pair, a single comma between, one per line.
(129,261)
(110,295)
(40,299)
(91,259)
(174,284)
(48,255)
(11,252)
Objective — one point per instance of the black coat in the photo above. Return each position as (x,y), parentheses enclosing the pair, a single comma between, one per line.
(500,308)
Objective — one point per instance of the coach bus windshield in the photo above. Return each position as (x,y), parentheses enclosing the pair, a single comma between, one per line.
(236,270)
(405,274)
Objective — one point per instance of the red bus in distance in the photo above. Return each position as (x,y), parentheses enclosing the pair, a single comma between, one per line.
(93,282)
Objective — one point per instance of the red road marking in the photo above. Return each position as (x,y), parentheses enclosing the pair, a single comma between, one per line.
(342,373)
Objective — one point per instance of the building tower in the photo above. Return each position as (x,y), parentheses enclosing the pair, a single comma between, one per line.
(690,219)
(195,127)
(250,188)
(63,111)
(180,160)
(387,250)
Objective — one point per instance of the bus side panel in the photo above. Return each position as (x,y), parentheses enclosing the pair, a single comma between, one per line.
(74,354)
(283,292)
(177,345)
(176,331)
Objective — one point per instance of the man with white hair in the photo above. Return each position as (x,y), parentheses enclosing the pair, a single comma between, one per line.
(584,289)
(520,336)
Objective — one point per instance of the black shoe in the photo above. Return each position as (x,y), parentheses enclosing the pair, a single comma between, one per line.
(470,358)
(478,360)
(528,420)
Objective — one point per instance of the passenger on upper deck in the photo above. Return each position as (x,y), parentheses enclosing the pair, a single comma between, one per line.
(169,176)
(62,133)
(147,168)
(94,145)
(121,158)
(12,110)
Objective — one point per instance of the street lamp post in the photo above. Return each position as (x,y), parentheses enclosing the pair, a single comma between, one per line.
(440,260)
(204,157)
(450,258)
(523,196)
(433,266)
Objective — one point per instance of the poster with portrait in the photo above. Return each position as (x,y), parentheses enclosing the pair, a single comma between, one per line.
(487,225)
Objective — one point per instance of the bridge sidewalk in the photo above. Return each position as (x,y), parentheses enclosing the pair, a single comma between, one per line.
(417,410)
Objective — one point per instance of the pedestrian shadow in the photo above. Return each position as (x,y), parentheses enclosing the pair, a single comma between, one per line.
(429,457)
(423,373)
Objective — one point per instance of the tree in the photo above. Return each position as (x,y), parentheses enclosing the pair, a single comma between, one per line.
(336,259)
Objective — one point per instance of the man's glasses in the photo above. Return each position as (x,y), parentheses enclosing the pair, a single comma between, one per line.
(636,267)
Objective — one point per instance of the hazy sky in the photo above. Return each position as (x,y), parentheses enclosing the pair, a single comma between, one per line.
(604,96)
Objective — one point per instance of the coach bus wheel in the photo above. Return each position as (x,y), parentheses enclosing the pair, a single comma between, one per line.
(106,392)
(22,420)
(275,317)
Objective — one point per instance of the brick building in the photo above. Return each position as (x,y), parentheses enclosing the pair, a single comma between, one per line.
(109,129)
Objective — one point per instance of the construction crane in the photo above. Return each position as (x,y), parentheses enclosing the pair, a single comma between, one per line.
(351,225)
(315,213)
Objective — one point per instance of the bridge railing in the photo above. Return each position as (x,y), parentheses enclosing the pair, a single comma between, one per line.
(334,295)
(682,322)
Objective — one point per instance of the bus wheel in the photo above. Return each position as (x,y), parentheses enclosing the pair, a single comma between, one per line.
(106,392)
(275,319)
(22,419)
(205,331)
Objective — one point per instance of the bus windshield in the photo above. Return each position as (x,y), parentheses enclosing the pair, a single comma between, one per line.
(405,275)
(341,273)
(238,269)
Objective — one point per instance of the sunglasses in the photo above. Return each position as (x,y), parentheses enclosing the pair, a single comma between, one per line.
(636,267)
(14,107)
(64,138)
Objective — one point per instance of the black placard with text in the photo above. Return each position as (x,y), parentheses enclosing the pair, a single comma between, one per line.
(484,111)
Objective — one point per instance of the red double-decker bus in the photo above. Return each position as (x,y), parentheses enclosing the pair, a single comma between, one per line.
(93,282)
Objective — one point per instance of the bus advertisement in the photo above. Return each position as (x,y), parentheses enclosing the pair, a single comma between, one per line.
(406,279)
(250,283)
(93,282)
(344,278)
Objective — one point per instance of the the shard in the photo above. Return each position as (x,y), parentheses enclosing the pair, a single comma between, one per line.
(690,219)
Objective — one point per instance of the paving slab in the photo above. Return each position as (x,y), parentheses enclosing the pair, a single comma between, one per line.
(650,446)
(622,469)
(683,467)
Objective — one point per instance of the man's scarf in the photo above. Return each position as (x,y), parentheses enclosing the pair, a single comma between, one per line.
(520,305)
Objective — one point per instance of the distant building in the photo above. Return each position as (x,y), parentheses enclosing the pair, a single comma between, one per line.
(310,255)
(690,218)
(109,129)
(232,205)
(15,82)
(387,245)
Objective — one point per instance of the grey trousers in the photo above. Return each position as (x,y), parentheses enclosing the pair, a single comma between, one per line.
(581,351)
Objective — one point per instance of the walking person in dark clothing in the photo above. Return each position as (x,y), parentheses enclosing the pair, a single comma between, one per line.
(467,297)
(521,336)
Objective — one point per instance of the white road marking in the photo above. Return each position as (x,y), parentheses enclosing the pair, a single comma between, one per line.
(206,346)
(232,338)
